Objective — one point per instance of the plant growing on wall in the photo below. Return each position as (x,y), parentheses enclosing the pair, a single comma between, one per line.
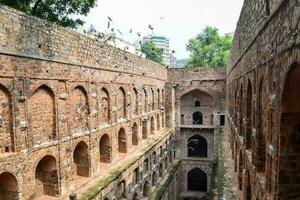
(209,49)
(61,12)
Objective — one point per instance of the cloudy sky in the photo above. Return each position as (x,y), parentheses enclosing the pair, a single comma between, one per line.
(178,20)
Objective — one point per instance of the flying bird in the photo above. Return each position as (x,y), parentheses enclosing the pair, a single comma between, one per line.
(150,27)
(139,34)
(120,32)
(130,31)
(109,19)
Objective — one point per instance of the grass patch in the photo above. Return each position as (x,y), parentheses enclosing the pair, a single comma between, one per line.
(159,191)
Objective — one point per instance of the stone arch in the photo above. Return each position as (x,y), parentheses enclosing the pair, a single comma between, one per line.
(154,178)
(289,147)
(158,98)
(121,102)
(197,146)
(6,129)
(144,129)
(105,103)
(160,170)
(135,196)
(152,126)
(189,96)
(157,122)
(135,101)
(240,113)
(145,107)
(260,157)
(121,190)
(122,141)
(240,171)
(249,116)
(80,109)
(81,159)
(152,99)
(135,139)
(41,107)
(8,186)
(197,180)
(105,149)
(197,118)
(197,103)
(146,189)
(46,177)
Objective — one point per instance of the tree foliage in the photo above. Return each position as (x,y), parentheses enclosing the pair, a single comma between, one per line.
(58,11)
(152,52)
(209,49)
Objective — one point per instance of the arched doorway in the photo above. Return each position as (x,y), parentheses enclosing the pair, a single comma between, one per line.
(8,186)
(249,115)
(135,134)
(197,146)
(46,177)
(122,142)
(81,159)
(105,149)
(197,118)
(197,180)
(152,127)
(146,189)
(154,179)
(289,158)
(144,130)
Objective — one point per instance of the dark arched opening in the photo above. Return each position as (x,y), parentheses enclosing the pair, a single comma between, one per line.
(197,118)
(135,140)
(122,142)
(197,103)
(144,130)
(249,115)
(197,180)
(197,146)
(152,126)
(146,189)
(8,186)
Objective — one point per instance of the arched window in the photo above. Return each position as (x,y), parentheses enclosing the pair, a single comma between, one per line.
(249,115)
(46,178)
(197,180)
(146,189)
(144,130)
(81,159)
(122,141)
(105,149)
(289,157)
(197,118)
(135,134)
(197,146)
(197,104)
(8,186)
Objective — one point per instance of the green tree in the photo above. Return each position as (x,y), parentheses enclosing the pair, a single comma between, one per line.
(58,11)
(152,52)
(209,49)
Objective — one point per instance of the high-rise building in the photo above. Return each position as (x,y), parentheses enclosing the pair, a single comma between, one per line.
(163,43)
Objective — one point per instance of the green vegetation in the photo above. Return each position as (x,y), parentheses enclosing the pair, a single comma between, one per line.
(209,49)
(159,191)
(152,52)
(57,11)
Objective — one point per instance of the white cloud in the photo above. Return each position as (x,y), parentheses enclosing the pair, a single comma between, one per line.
(182,19)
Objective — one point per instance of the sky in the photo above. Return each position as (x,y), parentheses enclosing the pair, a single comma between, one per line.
(179,20)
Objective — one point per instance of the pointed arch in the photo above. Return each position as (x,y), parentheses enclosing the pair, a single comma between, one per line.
(135,140)
(249,115)
(197,180)
(197,118)
(105,149)
(122,141)
(80,109)
(8,186)
(122,103)
(158,98)
(135,102)
(152,126)
(105,103)
(81,159)
(145,100)
(157,122)
(197,146)
(41,113)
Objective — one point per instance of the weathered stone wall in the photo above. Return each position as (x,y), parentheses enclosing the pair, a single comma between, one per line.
(260,99)
(65,99)
(190,91)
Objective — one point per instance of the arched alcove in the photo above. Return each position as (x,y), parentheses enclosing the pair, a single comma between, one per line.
(197,118)
(240,171)
(46,177)
(289,146)
(249,115)
(197,146)
(8,186)
(152,126)
(146,189)
(105,103)
(197,103)
(154,178)
(197,180)
(81,159)
(157,122)
(122,141)
(121,103)
(144,130)
(135,102)
(105,149)
(135,140)
(80,109)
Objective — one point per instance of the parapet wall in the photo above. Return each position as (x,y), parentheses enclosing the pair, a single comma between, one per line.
(28,36)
